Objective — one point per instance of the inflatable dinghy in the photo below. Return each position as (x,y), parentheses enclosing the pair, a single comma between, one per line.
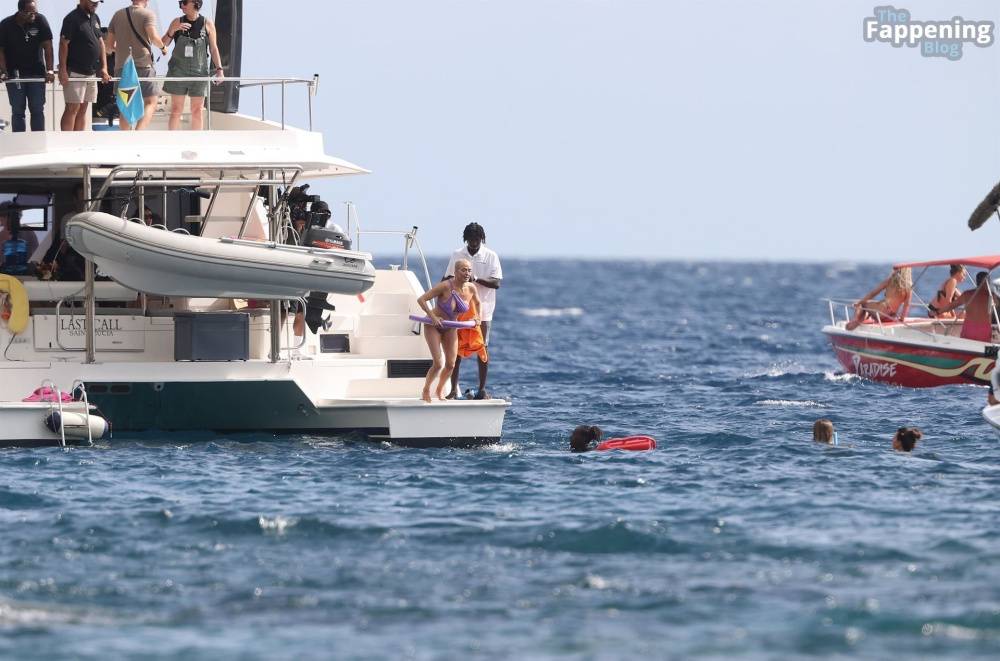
(156,261)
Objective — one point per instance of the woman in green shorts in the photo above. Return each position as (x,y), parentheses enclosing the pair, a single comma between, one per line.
(194,35)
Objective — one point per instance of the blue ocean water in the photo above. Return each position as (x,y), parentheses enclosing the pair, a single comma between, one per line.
(737,538)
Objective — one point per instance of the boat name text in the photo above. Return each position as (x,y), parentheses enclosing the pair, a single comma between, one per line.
(873,370)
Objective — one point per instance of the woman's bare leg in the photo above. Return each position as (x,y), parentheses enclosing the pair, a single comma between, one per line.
(433,338)
(176,108)
(197,119)
(449,342)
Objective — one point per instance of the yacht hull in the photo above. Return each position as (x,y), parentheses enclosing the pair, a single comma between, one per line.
(280,406)
(165,263)
(22,424)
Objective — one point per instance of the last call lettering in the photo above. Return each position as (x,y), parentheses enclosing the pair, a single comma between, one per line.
(78,325)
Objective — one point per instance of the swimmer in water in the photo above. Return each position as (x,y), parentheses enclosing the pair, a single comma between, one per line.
(823,432)
(906,439)
(584,438)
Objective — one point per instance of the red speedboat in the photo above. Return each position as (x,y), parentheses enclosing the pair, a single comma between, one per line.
(917,352)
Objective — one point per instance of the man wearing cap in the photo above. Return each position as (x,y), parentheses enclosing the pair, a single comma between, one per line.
(26,52)
(487,275)
(132,31)
(81,55)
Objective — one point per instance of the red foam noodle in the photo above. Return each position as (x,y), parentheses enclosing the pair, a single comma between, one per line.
(631,443)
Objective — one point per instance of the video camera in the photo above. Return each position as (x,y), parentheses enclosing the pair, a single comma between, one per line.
(308,208)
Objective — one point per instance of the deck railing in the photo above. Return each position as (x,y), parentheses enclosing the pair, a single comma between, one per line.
(410,240)
(311,85)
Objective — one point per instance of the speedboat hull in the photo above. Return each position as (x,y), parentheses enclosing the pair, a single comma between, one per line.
(898,355)
(165,263)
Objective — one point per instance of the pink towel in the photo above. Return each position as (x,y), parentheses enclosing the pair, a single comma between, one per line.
(47,394)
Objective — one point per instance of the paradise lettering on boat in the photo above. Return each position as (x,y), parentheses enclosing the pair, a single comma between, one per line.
(873,370)
(897,28)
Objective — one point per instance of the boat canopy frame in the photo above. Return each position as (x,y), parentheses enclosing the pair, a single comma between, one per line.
(139,177)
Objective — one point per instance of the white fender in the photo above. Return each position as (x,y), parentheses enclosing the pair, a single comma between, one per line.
(75,424)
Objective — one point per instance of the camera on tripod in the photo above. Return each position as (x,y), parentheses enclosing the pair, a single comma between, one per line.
(307,208)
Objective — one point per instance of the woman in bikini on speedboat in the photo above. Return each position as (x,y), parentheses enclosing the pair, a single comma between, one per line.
(947,293)
(454,297)
(898,288)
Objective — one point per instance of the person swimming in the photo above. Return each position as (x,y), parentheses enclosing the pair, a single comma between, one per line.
(823,432)
(584,438)
(906,439)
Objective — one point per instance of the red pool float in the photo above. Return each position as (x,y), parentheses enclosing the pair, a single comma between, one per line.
(632,443)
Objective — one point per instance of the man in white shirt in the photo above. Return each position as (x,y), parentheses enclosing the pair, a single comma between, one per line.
(487,275)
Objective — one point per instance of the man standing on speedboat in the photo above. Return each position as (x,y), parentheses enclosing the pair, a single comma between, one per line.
(487,275)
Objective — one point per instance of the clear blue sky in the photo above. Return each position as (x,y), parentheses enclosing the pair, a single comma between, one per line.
(735,129)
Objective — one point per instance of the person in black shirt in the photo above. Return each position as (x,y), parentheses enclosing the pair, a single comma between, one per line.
(81,55)
(26,52)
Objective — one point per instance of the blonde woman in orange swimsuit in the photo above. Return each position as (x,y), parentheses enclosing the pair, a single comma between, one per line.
(894,306)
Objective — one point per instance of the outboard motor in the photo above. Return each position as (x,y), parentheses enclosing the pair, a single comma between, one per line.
(322,237)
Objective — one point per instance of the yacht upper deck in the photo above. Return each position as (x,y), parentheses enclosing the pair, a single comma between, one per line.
(229,140)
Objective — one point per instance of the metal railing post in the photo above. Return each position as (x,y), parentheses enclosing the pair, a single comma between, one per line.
(208,104)
(90,303)
(272,203)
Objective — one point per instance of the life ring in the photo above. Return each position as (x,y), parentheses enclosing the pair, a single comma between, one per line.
(18,300)
(632,443)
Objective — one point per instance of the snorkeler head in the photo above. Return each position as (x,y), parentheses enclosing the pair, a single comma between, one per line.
(583,436)
(906,439)
(823,431)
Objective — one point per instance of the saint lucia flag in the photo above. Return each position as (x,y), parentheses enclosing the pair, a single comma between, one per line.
(129,96)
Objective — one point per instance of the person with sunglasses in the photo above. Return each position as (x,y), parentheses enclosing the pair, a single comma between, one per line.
(194,40)
(26,52)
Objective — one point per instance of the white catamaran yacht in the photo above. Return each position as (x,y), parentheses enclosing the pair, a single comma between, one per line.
(184,324)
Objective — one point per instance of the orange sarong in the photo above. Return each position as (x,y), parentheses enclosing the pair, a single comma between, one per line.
(470,340)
